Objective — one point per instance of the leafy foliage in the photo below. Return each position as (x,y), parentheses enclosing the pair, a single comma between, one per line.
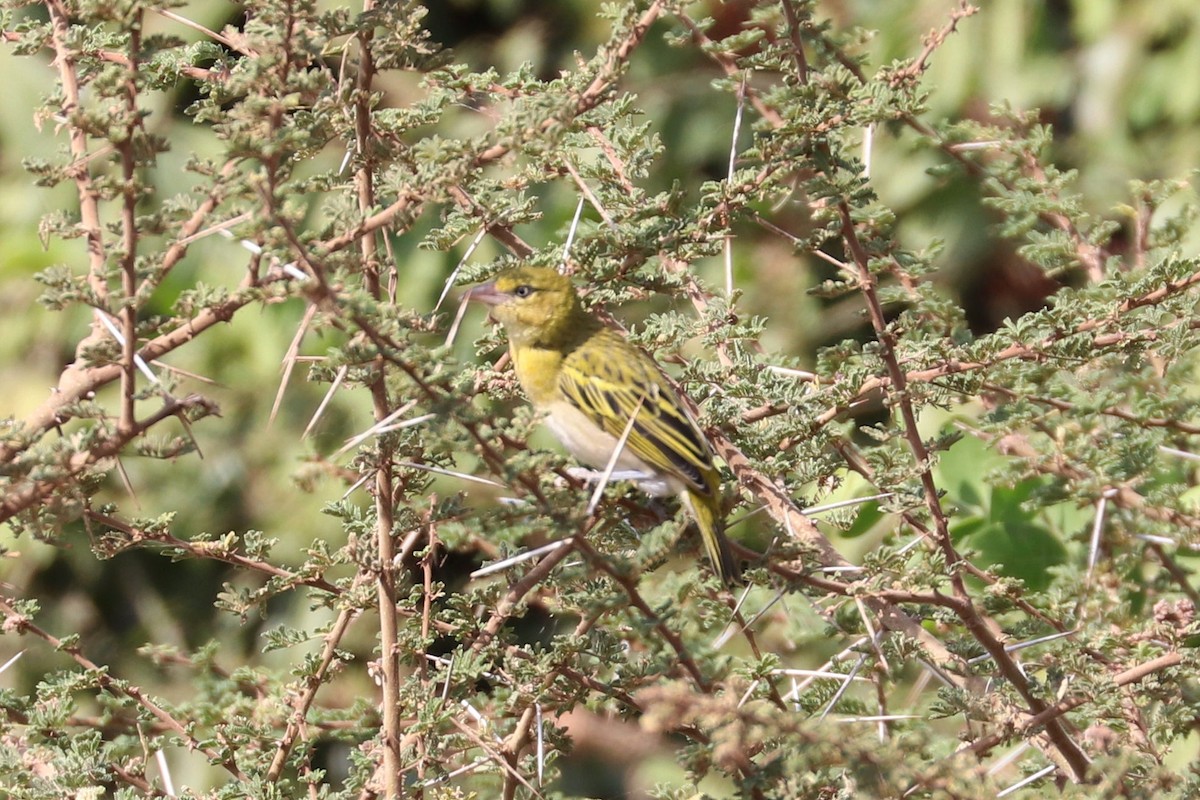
(944,346)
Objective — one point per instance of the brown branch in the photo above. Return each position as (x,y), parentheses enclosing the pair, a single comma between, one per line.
(1111,411)
(511,750)
(1032,352)
(796,40)
(527,584)
(312,683)
(179,248)
(617,57)
(728,63)
(129,232)
(495,755)
(79,380)
(629,585)
(134,780)
(89,198)
(979,625)
(497,229)
(385,492)
(935,39)
(784,512)
(1052,713)
(24,495)
(1176,572)
(212,551)
(15,621)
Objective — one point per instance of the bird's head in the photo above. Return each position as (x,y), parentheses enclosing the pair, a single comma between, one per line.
(536,305)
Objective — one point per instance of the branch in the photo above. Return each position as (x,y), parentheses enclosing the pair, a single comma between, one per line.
(15,621)
(89,199)
(1052,713)
(33,491)
(637,601)
(981,627)
(312,683)
(588,99)
(212,551)
(79,380)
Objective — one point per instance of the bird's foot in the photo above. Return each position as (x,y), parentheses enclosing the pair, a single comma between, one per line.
(593,476)
(649,482)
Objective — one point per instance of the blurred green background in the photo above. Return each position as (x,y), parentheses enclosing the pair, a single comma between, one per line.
(1118,81)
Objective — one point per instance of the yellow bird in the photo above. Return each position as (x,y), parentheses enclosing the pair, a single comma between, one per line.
(595,388)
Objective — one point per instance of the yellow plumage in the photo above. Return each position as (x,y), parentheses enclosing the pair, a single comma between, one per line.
(591,382)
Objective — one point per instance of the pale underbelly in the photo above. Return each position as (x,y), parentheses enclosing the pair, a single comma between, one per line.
(594,448)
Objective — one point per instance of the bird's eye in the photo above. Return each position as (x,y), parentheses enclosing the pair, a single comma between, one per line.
(523,291)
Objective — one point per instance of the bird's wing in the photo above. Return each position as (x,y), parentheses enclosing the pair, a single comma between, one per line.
(608,382)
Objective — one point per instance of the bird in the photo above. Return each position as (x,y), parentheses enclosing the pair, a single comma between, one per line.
(596,388)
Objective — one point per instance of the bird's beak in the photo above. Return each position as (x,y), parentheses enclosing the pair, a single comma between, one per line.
(487,293)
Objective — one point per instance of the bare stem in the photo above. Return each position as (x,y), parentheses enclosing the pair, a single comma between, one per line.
(129,232)
(18,622)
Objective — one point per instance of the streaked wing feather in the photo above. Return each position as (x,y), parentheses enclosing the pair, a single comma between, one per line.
(607,391)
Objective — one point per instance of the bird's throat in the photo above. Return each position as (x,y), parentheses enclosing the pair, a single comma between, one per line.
(537,369)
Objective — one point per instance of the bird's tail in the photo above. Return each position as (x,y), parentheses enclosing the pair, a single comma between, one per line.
(707,512)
